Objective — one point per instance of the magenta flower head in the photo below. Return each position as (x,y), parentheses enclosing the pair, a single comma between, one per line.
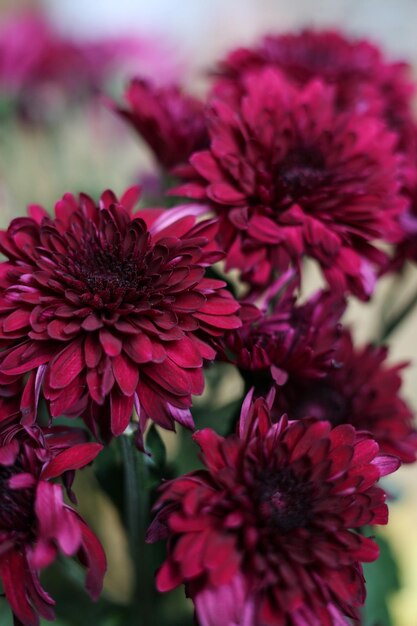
(304,353)
(109,310)
(292,341)
(360,388)
(171,122)
(267,529)
(35,522)
(406,249)
(363,80)
(289,176)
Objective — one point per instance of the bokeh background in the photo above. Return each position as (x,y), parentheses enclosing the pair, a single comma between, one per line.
(89,149)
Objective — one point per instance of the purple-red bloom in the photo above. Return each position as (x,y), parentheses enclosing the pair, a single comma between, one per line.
(266,530)
(290,176)
(406,249)
(109,309)
(361,389)
(291,342)
(35,522)
(171,122)
(305,354)
(363,80)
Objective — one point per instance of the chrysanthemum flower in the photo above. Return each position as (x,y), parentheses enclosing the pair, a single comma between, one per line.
(266,531)
(360,389)
(406,249)
(363,80)
(171,122)
(304,353)
(289,176)
(107,309)
(35,522)
(292,341)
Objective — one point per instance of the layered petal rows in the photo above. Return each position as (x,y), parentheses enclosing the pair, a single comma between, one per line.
(290,176)
(171,122)
(363,80)
(309,358)
(109,310)
(35,521)
(266,530)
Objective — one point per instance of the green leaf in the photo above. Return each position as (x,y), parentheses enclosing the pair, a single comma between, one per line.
(5,613)
(74,607)
(108,469)
(221,419)
(382,580)
(156,447)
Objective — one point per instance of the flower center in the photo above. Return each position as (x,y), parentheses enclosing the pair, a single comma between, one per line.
(16,506)
(111,262)
(285,502)
(322,402)
(108,274)
(301,172)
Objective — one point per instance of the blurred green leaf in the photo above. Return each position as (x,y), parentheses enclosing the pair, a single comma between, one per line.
(108,470)
(5,614)
(382,580)
(221,419)
(156,447)
(73,605)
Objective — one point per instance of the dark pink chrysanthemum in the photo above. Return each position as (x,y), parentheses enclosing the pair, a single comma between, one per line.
(266,531)
(289,176)
(406,249)
(35,522)
(363,80)
(292,341)
(109,309)
(305,354)
(360,389)
(171,122)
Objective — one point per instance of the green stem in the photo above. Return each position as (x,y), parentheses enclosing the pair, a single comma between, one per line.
(395,321)
(137,510)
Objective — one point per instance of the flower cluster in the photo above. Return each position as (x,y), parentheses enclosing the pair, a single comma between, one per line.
(304,148)
(42,68)
(309,358)
(106,314)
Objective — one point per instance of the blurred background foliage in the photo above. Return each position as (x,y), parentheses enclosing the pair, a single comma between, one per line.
(86,148)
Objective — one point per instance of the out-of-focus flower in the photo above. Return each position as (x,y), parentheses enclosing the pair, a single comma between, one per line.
(35,522)
(359,389)
(363,80)
(292,341)
(305,354)
(108,309)
(171,122)
(406,249)
(266,531)
(289,177)
(42,68)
